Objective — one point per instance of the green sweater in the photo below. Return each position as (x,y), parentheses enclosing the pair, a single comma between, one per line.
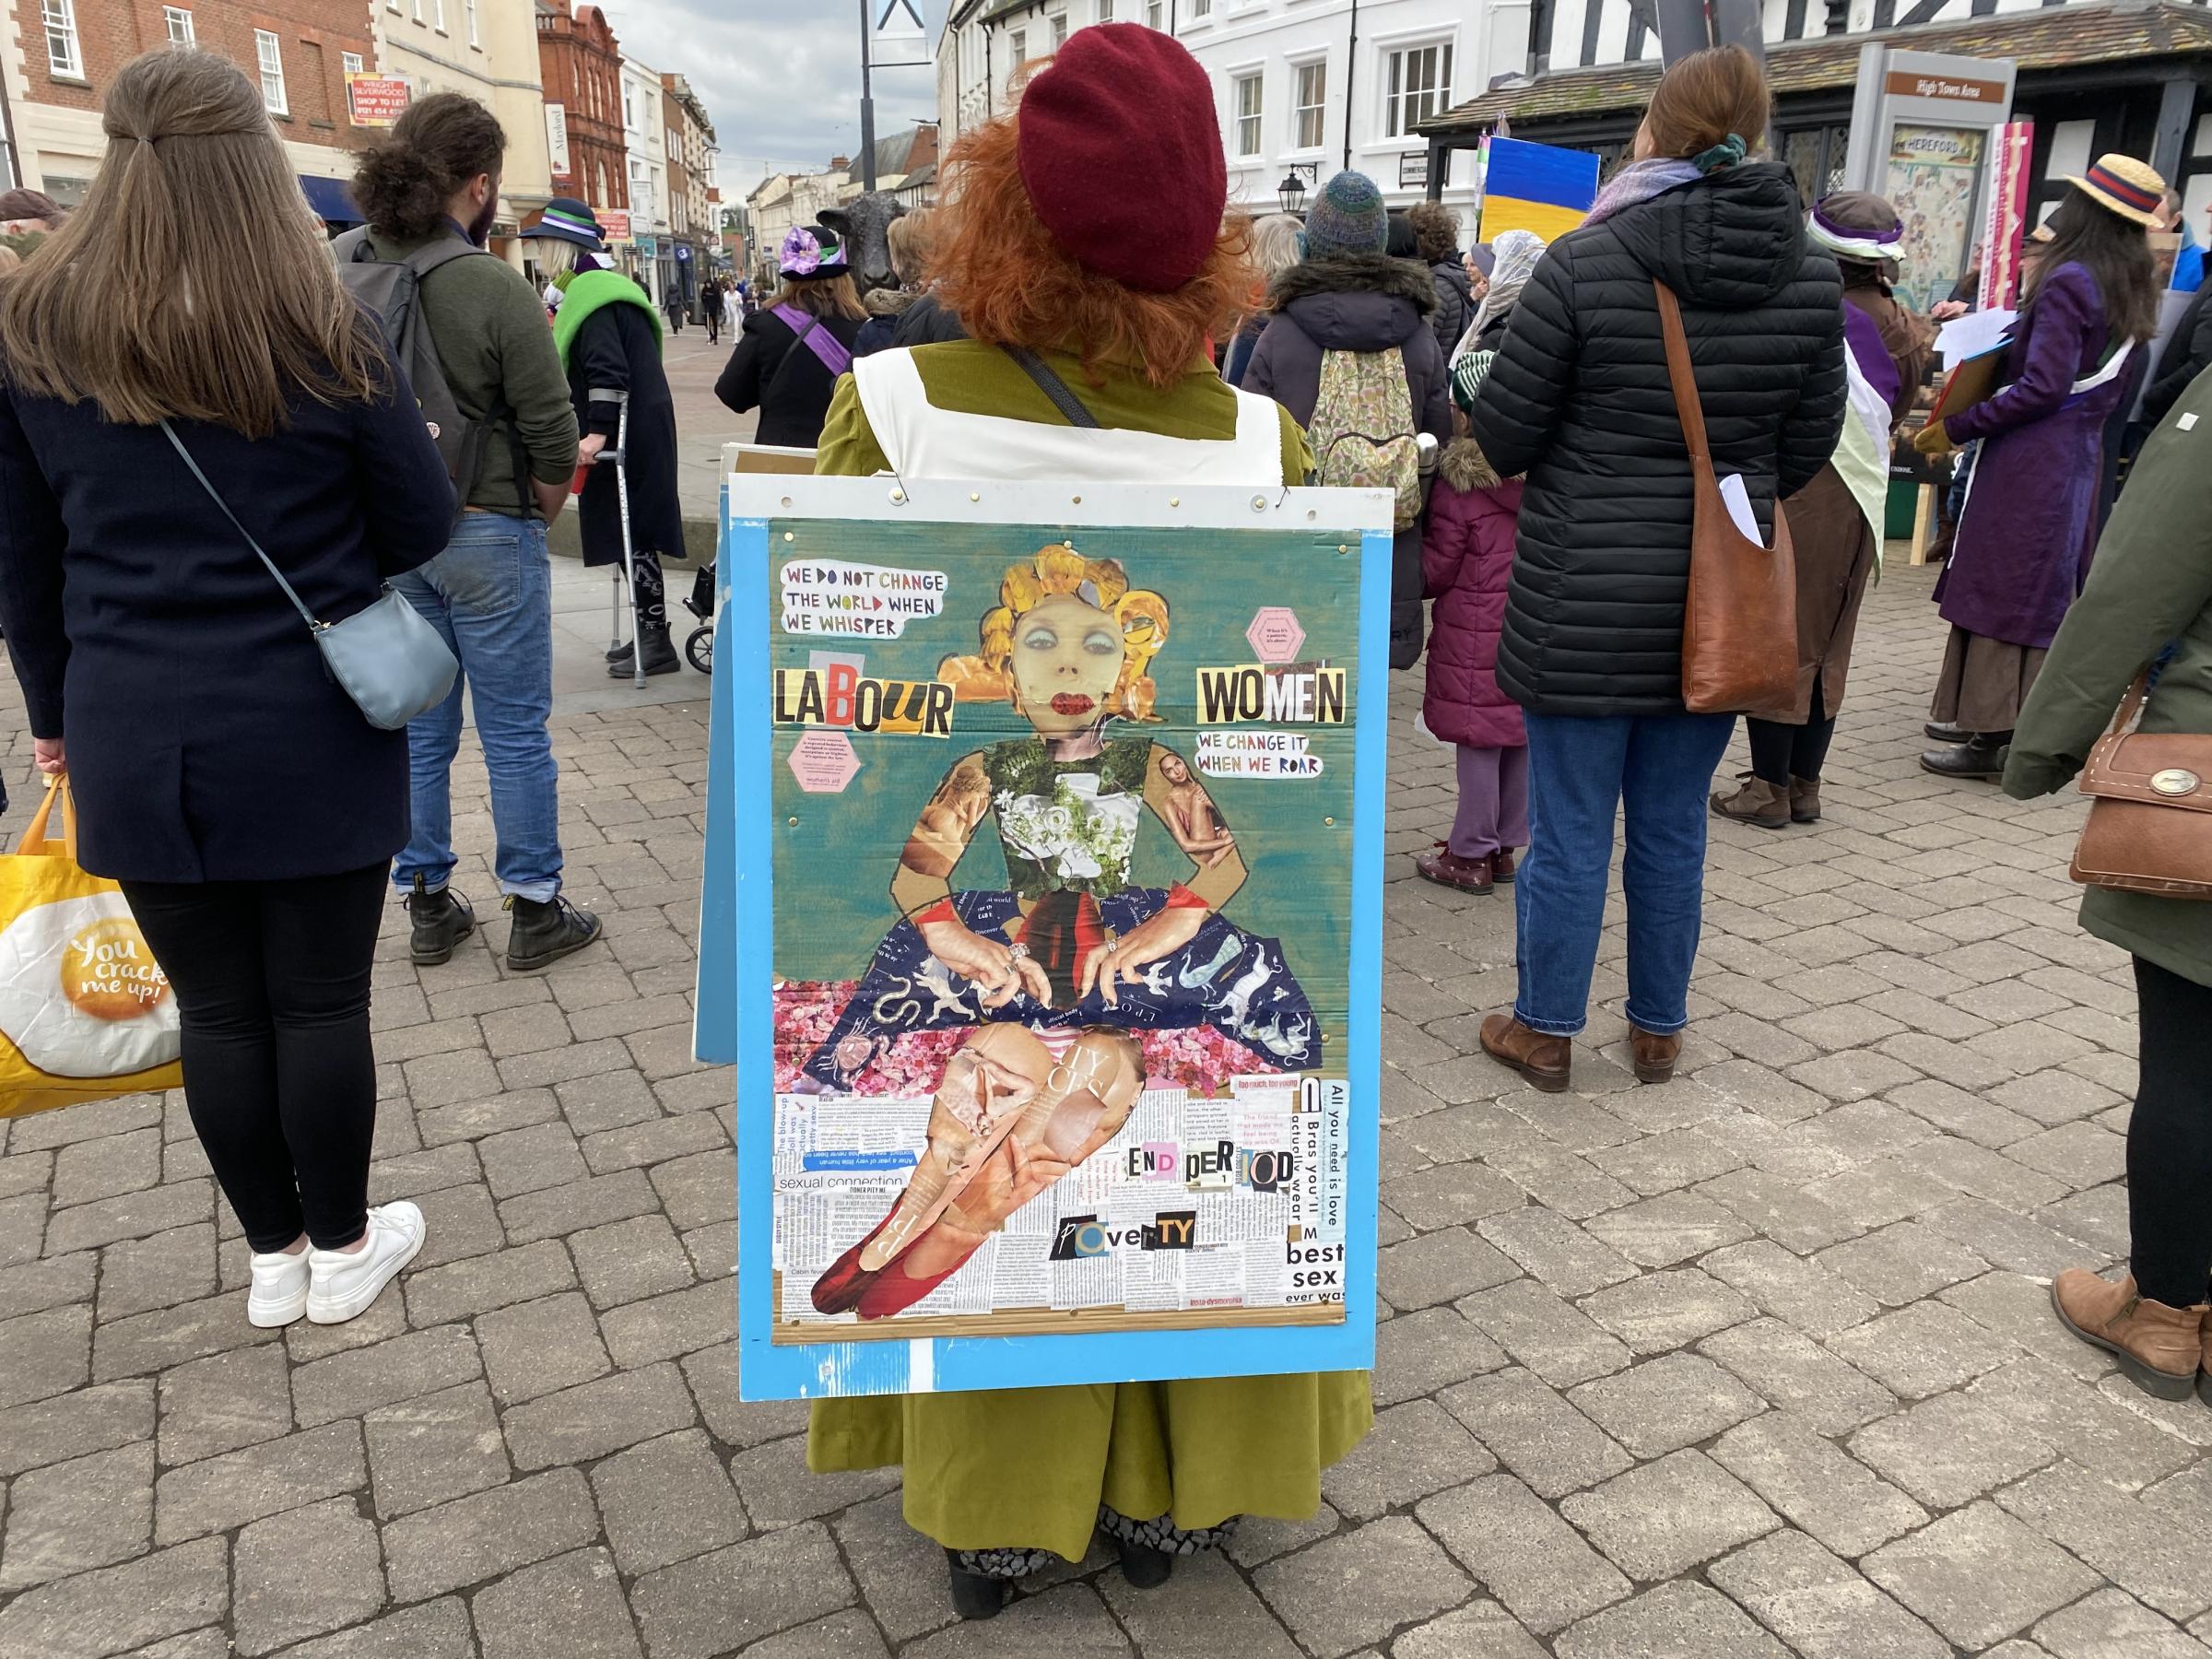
(497,346)
(2151,585)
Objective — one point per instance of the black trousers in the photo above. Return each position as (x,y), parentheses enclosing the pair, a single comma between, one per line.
(2169,1139)
(272,985)
(1782,752)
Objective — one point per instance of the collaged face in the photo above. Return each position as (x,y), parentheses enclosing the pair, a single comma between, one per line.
(1172,769)
(1068,655)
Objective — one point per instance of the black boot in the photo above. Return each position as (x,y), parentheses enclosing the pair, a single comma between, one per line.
(1144,1569)
(1943,731)
(442,920)
(545,933)
(660,656)
(1981,756)
(974,1596)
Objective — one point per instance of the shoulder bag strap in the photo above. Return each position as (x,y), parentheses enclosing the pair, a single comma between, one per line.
(1063,396)
(1686,407)
(215,495)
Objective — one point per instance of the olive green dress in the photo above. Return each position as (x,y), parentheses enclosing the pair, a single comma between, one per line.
(1027,1467)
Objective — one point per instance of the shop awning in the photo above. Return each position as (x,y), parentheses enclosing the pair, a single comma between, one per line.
(331,201)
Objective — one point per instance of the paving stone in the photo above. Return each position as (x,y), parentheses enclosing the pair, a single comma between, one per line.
(71,1517)
(1819,1606)
(157,1272)
(224,1402)
(1451,1194)
(43,1354)
(662,1327)
(303,1573)
(2005,1240)
(2113,1624)
(1563,1182)
(1442,1267)
(1213,1612)
(1420,1353)
(847,1635)
(553,1212)
(1414,1450)
(2133,1543)
(1661,1311)
(1791,1371)
(1564,1257)
(481,1283)
(460,1222)
(2101,1436)
(434,1448)
(1481,1630)
(37,1285)
(1780,1210)
(713,1374)
(1950,1450)
(132,1216)
(1535,1432)
(1665,1403)
(385,1321)
(699,1189)
(1658,1521)
(239,1487)
(73,1425)
(1807,1295)
(22,1227)
(668,1500)
(495,1114)
(626,1261)
(718,1603)
(351,1383)
(594,1418)
(488,1533)
(437,1629)
(1942,1573)
(1675,1621)
(1360,1585)
(2078,1155)
(654,1141)
(1551,1337)
(168,1336)
(2017,1309)
(778,1489)
(1816,1486)
(1903,1262)
(1670,1229)
(1263,1538)
(541,1346)
(569,1608)
(901,1573)
(1920,1350)
(1540,1568)
(118,1609)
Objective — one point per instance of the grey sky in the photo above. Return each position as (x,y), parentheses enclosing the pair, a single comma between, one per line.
(781,78)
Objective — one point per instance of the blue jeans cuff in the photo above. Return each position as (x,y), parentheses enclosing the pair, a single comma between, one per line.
(537,892)
(1551,1027)
(1666,1028)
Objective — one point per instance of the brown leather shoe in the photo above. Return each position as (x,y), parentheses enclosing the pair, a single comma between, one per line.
(1546,1062)
(1447,868)
(2159,1348)
(1501,867)
(1804,801)
(1757,803)
(1654,1056)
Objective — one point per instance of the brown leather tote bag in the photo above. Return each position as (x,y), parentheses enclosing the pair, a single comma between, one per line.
(2149,829)
(1739,624)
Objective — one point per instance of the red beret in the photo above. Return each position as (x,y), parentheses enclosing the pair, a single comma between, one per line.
(1122,155)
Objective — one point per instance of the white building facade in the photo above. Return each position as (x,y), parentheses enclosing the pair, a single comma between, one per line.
(645,154)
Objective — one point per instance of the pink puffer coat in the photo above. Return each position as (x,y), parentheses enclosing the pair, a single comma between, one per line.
(1466,557)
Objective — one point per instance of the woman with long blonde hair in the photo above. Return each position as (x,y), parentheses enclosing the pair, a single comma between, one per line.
(242,800)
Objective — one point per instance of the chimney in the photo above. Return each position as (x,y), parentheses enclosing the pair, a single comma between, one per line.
(838,163)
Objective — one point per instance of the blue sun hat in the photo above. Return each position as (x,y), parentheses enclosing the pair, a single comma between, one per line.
(568,219)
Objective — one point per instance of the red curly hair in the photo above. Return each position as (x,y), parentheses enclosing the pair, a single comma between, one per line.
(1010,284)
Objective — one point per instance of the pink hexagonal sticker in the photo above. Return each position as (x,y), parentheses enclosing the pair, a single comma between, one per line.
(1275,633)
(824,763)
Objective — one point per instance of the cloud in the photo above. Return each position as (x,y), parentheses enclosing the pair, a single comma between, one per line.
(780,79)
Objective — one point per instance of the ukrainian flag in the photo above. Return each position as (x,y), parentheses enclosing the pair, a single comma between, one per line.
(1538,187)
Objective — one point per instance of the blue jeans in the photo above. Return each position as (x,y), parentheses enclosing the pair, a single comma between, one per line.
(490,596)
(1581,769)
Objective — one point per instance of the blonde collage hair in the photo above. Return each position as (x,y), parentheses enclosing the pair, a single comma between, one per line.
(1141,614)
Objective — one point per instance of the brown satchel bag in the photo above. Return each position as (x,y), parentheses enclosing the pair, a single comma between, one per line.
(1739,624)
(2150,815)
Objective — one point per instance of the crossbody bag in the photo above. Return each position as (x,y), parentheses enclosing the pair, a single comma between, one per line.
(2149,829)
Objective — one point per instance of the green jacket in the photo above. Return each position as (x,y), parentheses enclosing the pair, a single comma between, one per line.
(496,345)
(584,292)
(2150,585)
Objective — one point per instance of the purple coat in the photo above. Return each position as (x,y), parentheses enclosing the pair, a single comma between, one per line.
(2031,520)
(1467,559)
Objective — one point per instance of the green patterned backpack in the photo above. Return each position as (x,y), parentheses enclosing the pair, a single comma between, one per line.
(1362,429)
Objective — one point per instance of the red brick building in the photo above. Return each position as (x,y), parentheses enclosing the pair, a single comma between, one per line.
(580,63)
(60,56)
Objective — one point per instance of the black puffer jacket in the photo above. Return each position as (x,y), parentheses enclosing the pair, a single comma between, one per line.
(1578,399)
(1454,303)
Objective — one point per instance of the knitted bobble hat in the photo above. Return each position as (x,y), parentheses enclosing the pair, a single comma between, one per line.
(1349,216)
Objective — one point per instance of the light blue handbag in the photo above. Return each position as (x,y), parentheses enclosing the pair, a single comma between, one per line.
(388,659)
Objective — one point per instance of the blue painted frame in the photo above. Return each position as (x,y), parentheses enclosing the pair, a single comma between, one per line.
(737,902)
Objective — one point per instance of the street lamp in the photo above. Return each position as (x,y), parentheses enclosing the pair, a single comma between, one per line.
(1291,192)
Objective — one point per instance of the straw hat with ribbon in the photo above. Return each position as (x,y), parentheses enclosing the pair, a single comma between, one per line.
(2123,185)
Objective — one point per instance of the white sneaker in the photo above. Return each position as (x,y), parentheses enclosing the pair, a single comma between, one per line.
(279,1293)
(343,1283)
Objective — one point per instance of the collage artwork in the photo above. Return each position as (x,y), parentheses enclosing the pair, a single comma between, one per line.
(1061,835)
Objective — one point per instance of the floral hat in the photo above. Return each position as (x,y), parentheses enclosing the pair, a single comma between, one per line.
(811,250)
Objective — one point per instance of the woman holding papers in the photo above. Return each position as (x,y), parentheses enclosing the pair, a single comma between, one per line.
(2029,522)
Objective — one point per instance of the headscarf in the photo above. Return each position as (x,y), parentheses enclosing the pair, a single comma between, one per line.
(1517,252)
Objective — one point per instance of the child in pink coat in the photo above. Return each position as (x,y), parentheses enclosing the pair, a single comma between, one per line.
(1467,559)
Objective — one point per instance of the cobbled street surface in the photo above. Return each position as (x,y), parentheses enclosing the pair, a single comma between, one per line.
(1757,1363)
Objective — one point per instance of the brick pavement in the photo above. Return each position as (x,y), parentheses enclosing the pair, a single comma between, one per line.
(1756,1363)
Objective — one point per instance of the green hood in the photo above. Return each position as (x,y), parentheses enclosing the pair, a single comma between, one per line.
(584,292)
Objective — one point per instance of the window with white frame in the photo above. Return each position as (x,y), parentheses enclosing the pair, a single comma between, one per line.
(1155,14)
(1105,11)
(178,22)
(415,7)
(438,15)
(62,55)
(1018,42)
(1059,30)
(1248,91)
(349,63)
(630,105)
(468,9)
(1417,85)
(1201,9)
(268,53)
(1311,103)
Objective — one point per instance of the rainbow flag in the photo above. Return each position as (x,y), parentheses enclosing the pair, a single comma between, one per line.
(1538,187)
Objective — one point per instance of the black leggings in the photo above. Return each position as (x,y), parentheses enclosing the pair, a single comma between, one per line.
(2169,1139)
(1782,752)
(272,982)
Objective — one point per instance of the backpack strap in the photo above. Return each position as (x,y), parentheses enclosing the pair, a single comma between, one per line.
(1062,394)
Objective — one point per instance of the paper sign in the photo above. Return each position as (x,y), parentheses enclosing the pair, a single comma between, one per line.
(376,100)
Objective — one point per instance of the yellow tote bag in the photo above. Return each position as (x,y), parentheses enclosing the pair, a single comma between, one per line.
(86,1013)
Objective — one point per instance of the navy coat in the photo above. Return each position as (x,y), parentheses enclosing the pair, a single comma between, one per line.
(618,349)
(206,741)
